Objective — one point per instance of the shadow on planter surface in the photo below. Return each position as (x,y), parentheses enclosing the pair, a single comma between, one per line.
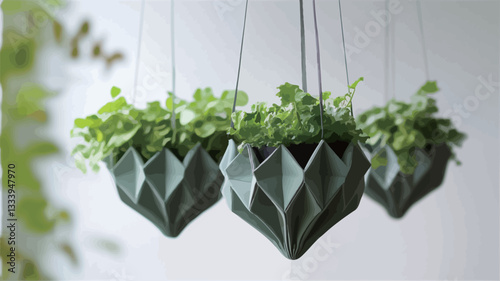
(166,191)
(397,191)
(291,203)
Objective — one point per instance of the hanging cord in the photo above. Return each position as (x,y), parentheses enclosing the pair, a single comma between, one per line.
(386,55)
(389,67)
(172,40)
(138,56)
(318,58)
(345,54)
(422,37)
(390,61)
(239,62)
(393,61)
(303,47)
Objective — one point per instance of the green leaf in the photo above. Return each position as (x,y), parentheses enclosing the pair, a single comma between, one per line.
(205,130)
(338,100)
(80,162)
(30,271)
(82,123)
(84,29)
(287,93)
(202,94)
(170,103)
(91,122)
(113,106)
(120,137)
(241,100)
(29,98)
(69,252)
(115,91)
(353,85)
(41,148)
(430,87)
(187,116)
(99,135)
(32,210)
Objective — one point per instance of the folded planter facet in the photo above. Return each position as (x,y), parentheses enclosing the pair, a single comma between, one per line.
(293,203)
(166,191)
(396,191)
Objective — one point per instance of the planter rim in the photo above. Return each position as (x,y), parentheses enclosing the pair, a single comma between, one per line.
(374,149)
(250,148)
(145,163)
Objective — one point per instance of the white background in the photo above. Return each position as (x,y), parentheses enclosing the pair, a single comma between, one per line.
(451,234)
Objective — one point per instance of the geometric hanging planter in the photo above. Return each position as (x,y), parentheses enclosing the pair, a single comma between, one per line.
(397,191)
(409,148)
(166,191)
(299,169)
(142,147)
(293,196)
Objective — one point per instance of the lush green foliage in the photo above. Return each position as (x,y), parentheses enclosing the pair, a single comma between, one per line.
(406,126)
(119,125)
(26,38)
(297,120)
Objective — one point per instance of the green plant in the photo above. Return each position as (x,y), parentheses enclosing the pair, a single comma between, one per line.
(407,126)
(297,120)
(26,36)
(119,125)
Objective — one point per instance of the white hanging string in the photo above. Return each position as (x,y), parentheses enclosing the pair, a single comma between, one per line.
(139,44)
(390,61)
(239,61)
(172,40)
(390,54)
(345,54)
(422,37)
(318,59)
(386,55)
(393,55)
(303,47)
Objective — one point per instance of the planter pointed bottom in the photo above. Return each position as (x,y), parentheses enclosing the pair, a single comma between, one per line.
(290,205)
(396,191)
(166,191)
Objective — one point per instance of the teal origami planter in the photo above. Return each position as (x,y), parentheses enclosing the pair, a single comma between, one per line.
(166,191)
(293,206)
(396,191)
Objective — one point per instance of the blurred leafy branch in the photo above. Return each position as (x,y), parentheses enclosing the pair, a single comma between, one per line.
(29,26)
(76,40)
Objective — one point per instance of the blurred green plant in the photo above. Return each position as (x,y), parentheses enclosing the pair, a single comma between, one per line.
(406,126)
(297,120)
(82,34)
(26,24)
(118,125)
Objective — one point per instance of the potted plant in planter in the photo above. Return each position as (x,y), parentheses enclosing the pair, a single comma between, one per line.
(409,149)
(163,158)
(292,178)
